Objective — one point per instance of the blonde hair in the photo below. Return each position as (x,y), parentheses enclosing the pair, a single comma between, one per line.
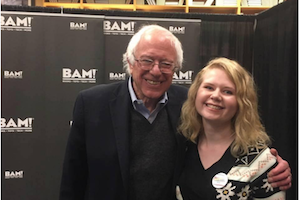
(246,124)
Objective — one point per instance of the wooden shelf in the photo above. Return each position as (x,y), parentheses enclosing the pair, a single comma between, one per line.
(163,8)
(64,5)
(99,6)
(214,9)
(253,10)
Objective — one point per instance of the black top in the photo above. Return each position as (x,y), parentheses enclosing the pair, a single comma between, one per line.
(246,176)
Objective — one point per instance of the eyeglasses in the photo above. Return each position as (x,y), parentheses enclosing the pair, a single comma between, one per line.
(148,64)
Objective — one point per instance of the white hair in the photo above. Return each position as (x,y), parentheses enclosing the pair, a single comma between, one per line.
(128,56)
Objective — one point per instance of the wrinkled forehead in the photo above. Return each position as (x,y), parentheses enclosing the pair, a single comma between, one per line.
(157,34)
(160,40)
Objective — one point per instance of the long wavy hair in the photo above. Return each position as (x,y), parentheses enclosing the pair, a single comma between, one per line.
(246,124)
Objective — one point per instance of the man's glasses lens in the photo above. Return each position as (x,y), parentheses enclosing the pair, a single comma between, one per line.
(165,67)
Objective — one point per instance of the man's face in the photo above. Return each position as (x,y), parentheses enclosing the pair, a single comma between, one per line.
(150,85)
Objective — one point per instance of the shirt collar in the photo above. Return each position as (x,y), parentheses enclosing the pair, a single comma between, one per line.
(163,100)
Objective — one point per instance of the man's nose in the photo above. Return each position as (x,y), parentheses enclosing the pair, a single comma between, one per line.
(155,69)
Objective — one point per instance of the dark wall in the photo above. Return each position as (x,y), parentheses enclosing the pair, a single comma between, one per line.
(276,74)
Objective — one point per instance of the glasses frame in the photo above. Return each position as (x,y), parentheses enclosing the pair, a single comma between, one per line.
(153,64)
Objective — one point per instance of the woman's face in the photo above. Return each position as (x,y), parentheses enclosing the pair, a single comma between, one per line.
(216,97)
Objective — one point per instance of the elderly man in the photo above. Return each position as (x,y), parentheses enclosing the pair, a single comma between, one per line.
(124,142)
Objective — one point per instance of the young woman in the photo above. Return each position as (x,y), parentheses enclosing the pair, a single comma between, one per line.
(228,157)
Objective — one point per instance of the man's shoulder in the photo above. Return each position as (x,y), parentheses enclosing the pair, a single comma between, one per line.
(104,89)
(178,90)
(177,94)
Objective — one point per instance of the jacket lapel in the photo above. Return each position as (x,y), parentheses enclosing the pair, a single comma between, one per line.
(120,108)
(174,109)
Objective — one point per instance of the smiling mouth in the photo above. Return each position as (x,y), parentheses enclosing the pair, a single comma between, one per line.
(214,107)
(153,82)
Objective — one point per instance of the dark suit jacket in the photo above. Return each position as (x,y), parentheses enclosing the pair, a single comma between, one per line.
(96,164)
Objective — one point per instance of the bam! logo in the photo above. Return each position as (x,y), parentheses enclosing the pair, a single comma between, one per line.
(118,28)
(78,76)
(177,30)
(18,125)
(117,76)
(78,26)
(183,78)
(13,74)
(14,23)
(13,174)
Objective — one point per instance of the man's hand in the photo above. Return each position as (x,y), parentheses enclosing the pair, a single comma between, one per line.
(281,175)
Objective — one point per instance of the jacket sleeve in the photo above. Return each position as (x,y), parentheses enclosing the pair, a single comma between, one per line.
(74,174)
(262,190)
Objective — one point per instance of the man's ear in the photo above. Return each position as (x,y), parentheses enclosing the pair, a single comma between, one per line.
(130,66)
(128,61)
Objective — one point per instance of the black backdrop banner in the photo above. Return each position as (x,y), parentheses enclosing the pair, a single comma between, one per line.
(46,60)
